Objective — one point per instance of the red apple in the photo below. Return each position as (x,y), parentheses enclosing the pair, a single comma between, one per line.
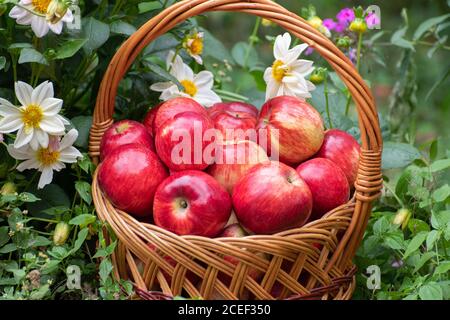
(328,185)
(149,119)
(294,129)
(271,198)
(122,133)
(169,109)
(181,142)
(234,159)
(129,177)
(343,150)
(233,119)
(191,202)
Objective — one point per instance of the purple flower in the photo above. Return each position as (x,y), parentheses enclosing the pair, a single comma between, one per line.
(352,55)
(340,27)
(373,20)
(330,24)
(309,51)
(346,16)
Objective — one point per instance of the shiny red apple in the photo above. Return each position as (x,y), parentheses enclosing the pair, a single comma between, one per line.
(234,159)
(182,144)
(129,177)
(191,202)
(169,109)
(343,150)
(149,119)
(328,185)
(271,198)
(293,128)
(234,119)
(122,133)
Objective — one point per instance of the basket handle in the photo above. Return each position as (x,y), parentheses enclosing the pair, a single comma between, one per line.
(369,180)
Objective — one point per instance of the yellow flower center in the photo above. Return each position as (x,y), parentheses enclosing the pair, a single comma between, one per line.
(315,22)
(41,6)
(189,87)
(32,116)
(279,70)
(196,47)
(47,156)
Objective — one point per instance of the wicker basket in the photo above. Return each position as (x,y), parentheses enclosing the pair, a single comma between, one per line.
(291,262)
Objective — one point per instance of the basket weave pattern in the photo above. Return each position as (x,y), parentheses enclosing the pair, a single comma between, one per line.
(290,261)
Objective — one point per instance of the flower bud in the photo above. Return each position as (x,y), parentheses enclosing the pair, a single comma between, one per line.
(267,23)
(56,10)
(315,22)
(318,76)
(358,26)
(9,188)
(402,217)
(343,42)
(62,231)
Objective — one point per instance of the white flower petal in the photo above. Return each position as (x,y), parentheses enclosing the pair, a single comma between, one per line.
(42,92)
(272,89)
(51,106)
(58,166)
(69,139)
(19,153)
(39,26)
(23,137)
(10,124)
(56,27)
(46,177)
(23,92)
(42,138)
(207,98)
(204,79)
(70,155)
(197,58)
(27,165)
(52,125)
(7,109)
(281,47)
(294,53)
(68,17)
(161,86)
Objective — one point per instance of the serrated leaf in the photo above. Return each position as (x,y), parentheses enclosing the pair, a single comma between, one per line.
(423,259)
(84,190)
(432,237)
(69,48)
(440,165)
(442,193)
(82,235)
(443,267)
(415,244)
(29,55)
(105,269)
(416,226)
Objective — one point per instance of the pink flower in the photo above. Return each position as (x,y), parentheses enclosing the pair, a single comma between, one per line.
(309,51)
(345,16)
(373,20)
(340,27)
(330,24)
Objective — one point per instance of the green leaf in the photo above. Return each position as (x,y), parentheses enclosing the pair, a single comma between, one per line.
(214,48)
(423,259)
(28,197)
(95,32)
(441,194)
(398,155)
(440,165)
(395,240)
(28,55)
(434,150)
(416,226)
(83,220)
(40,293)
(245,56)
(443,267)
(431,291)
(82,235)
(69,48)
(149,6)
(440,81)
(84,190)
(432,237)
(2,63)
(104,252)
(10,247)
(122,28)
(51,196)
(429,24)
(415,244)
(163,73)
(105,269)
(4,236)
(83,125)
(398,39)
(440,219)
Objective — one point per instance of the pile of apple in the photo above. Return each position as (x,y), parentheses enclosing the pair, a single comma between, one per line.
(315,173)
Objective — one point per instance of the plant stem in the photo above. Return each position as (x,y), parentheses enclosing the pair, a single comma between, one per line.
(327,105)
(400,202)
(358,52)
(252,40)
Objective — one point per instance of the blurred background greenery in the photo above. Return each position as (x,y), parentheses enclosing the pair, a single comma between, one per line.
(426,117)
